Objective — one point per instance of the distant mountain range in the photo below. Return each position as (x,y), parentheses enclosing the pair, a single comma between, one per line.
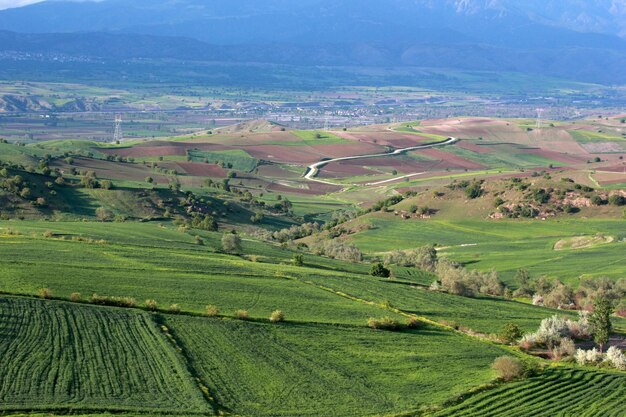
(575,39)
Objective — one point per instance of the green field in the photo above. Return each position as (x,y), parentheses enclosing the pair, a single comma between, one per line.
(65,357)
(146,261)
(586,136)
(507,245)
(506,157)
(556,392)
(239,159)
(311,370)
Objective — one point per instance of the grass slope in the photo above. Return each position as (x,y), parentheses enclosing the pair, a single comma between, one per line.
(506,245)
(312,370)
(61,356)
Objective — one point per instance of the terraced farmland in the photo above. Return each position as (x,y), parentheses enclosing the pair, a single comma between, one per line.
(557,392)
(57,356)
(288,369)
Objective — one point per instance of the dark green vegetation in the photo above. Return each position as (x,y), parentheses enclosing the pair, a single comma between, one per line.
(560,391)
(57,356)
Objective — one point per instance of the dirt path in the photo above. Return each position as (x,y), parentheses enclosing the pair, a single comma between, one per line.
(314,169)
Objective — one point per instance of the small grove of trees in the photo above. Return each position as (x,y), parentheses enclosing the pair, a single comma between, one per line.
(339,250)
(424,258)
(555,294)
(460,281)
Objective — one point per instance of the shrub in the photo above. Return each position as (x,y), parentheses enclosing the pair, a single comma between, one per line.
(379,270)
(298,259)
(75,297)
(277,316)
(413,323)
(528,341)
(48,234)
(231,243)
(566,348)
(552,330)
(386,323)
(584,357)
(616,358)
(242,315)
(511,333)
(151,305)
(44,293)
(174,309)
(113,301)
(212,311)
(508,367)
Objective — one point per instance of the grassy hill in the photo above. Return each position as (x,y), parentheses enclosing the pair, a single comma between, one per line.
(120,293)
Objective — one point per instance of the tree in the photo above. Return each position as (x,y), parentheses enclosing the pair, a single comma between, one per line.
(379,270)
(231,243)
(103,214)
(522,277)
(298,259)
(600,320)
(474,190)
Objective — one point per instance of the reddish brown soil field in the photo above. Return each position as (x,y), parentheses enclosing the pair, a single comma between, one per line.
(384,138)
(196,169)
(450,160)
(615,168)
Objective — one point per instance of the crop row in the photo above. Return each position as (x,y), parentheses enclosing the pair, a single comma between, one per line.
(61,356)
(557,392)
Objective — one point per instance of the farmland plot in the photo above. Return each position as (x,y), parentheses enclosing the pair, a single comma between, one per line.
(557,392)
(65,357)
(289,369)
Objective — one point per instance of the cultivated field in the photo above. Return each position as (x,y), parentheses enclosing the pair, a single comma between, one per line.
(63,357)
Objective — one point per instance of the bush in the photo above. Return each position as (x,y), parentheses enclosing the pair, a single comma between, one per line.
(242,315)
(508,367)
(617,200)
(386,323)
(511,333)
(528,341)
(151,305)
(616,358)
(566,348)
(75,297)
(277,316)
(298,259)
(113,301)
(212,311)
(584,357)
(174,309)
(413,323)
(44,293)
(379,270)
(231,243)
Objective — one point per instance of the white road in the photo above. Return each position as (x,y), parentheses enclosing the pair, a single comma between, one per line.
(314,169)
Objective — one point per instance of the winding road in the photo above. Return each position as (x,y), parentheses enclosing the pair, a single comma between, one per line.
(314,169)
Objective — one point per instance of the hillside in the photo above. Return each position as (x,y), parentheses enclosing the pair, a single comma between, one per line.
(239,286)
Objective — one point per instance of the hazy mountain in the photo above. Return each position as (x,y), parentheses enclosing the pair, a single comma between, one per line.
(528,36)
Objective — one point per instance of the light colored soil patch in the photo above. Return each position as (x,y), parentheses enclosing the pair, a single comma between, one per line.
(583,242)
